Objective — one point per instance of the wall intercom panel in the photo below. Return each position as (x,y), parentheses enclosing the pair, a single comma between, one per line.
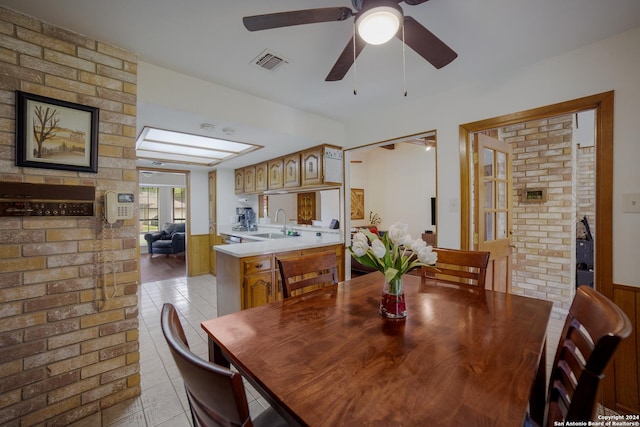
(24,199)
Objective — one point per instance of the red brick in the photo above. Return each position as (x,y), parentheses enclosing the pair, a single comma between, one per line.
(22,350)
(50,384)
(18,410)
(50,301)
(51,329)
(22,379)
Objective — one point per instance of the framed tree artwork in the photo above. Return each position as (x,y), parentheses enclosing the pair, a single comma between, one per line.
(54,134)
(357,203)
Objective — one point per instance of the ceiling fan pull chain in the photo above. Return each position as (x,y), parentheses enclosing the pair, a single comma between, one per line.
(355,68)
(404,63)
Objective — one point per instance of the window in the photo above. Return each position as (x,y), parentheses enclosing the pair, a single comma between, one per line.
(148,205)
(179,205)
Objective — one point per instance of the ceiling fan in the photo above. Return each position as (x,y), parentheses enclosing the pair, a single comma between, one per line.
(374,16)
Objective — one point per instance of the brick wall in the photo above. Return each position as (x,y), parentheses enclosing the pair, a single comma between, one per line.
(67,349)
(585,186)
(544,233)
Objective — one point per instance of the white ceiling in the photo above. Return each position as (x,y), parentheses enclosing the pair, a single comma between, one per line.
(206,39)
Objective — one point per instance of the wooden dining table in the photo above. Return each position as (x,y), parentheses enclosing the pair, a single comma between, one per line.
(327,358)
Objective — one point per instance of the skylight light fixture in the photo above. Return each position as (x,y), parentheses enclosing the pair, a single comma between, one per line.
(177,147)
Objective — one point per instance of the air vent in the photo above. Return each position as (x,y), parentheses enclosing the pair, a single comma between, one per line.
(269,61)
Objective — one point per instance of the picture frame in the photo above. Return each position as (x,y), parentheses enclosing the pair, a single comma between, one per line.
(55,134)
(357,203)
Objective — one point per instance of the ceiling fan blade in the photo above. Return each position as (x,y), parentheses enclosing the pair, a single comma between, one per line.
(296,17)
(345,60)
(426,44)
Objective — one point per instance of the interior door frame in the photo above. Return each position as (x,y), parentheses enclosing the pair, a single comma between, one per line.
(602,103)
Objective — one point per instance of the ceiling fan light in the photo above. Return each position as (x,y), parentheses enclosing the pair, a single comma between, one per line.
(378,25)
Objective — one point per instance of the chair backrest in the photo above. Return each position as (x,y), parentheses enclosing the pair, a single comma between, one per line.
(317,269)
(460,267)
(216,394)
(593,329)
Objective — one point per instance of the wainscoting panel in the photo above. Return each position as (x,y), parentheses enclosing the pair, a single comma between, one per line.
(197,254)
(626,372)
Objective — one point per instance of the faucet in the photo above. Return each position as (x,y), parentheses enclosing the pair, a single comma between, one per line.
(284,223)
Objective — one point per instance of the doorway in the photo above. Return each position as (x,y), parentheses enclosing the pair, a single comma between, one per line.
(162,199)
(392,181)
(602,104)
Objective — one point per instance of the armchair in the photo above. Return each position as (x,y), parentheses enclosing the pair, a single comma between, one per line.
(169,240)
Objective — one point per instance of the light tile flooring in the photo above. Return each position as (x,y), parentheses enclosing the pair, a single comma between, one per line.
(163,401)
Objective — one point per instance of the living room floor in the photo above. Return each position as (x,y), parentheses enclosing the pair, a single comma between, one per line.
(163,401)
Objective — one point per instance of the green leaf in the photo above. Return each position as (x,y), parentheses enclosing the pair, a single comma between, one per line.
(389,274)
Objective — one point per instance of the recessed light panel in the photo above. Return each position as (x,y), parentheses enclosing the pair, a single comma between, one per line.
(178,147)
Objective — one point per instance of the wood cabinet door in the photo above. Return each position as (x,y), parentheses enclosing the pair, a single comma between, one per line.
(312,167)
(239,186)
(275,180)
(258,289)
(250,179)
(292,171)
(306,208)
(261,177)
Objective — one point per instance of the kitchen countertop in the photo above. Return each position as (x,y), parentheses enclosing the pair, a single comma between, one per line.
(264,246)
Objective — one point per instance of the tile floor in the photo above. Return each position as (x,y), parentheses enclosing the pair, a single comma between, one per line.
(163,402)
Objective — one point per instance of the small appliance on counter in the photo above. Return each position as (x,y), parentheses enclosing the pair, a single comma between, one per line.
(245,220)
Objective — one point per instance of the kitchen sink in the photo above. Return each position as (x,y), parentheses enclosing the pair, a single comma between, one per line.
(272,235)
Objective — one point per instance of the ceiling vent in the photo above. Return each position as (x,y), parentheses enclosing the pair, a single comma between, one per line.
(268,60)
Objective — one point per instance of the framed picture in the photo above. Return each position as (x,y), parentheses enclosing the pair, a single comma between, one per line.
(54,134)
(357,203)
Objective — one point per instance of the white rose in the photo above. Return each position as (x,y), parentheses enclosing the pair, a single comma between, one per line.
(417,244)
(360,237)
(398,232)
(427,256)
(378,248)
(359,248)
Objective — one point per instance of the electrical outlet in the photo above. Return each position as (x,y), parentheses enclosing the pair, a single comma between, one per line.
(631,203)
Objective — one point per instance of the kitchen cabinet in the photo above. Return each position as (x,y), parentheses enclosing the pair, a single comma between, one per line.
(239,181)
(249,179)
(257,282)
(251,281)
(316,167)
(312,166)
(292,170)
(276,174)
(262,177)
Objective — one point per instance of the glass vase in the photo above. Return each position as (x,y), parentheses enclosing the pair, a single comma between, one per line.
(392,305)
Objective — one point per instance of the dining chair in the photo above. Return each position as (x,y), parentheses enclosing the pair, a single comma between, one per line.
(216,394)
(460,267)
(592,331)
(312,271)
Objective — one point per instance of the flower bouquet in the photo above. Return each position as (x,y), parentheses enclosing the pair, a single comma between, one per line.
(394,254)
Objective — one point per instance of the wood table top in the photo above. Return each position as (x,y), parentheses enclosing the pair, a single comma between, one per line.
(460,358)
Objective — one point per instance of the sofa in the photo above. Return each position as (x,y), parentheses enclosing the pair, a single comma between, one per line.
(169,240)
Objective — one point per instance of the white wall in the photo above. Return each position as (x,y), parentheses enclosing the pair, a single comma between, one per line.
(398,185)
(611,64)
(199,202)
(226,200)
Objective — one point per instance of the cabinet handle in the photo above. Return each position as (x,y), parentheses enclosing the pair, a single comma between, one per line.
(259,265)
